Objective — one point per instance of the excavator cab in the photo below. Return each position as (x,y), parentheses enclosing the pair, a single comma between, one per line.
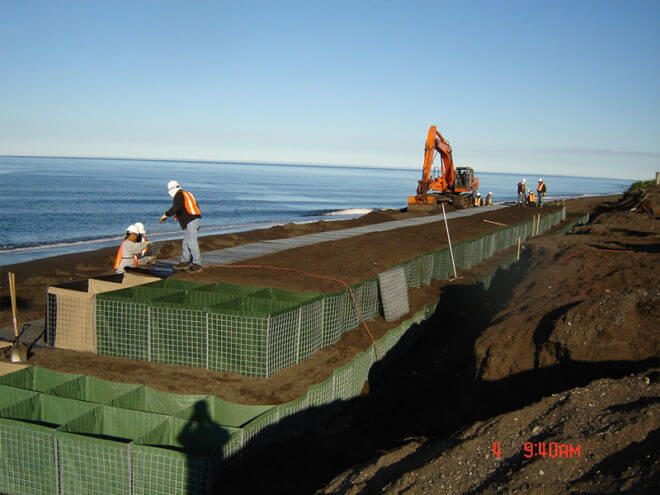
(464,180)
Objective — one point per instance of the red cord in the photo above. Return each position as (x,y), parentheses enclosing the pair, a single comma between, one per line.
(594,249)
(296,270)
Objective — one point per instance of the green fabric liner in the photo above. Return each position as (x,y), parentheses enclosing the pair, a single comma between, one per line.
(151,400)
(90,389)
(194,299)
(287,296)
(47,410)
(26,446)
(35,378)
(112,423)
(254,307)
(187,436)
(231,289)
(215,410)
(11,395)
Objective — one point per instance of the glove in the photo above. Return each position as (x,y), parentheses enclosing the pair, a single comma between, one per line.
(163,218)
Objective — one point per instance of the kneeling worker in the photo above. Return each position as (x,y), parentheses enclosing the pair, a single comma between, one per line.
(185,210)
(130,250)
(489,199)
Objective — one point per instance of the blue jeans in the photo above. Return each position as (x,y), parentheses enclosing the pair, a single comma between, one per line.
(539,200)
(190,246)
(521,198)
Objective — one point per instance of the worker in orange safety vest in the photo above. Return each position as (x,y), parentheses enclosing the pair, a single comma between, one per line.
(531,198)
(130,250)
(541,192)
(185,210)
(489,198)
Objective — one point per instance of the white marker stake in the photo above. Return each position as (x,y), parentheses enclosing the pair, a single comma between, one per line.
(451,251)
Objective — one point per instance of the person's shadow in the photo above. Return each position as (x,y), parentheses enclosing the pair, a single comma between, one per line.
(199,438)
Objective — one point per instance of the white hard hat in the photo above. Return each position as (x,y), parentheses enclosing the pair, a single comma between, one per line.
(478,194)
(490,194)
(172,187)
(540,179)
(524,180)
(140,227)
(132,229)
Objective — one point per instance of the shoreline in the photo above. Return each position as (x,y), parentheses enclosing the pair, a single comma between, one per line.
(33,277)
(72,247)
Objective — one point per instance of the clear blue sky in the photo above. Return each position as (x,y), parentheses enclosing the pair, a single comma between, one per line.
(550,87)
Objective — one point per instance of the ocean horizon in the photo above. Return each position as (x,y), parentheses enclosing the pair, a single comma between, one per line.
(61,205)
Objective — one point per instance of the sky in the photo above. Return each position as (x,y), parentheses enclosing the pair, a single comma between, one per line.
(569,88)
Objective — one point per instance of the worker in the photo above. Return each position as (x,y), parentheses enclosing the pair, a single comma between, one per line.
(531,199)
(143,238)
(541,192)
(185,210)
(130,250)
(521,192)
(489,199)
(477,200)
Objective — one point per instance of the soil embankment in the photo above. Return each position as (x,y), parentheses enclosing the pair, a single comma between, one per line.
(501,365)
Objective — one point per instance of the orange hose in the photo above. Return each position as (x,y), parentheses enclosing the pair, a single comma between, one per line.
(594,249)
(296,270)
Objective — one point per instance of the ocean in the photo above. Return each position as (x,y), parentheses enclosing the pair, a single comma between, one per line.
(53,206)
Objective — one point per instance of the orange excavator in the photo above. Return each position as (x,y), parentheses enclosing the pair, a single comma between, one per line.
(449,185)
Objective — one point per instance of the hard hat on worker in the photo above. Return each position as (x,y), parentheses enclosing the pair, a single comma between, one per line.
(132,229)
(172,187)
(140,227)
(478,194)
(540,179)
(524,180)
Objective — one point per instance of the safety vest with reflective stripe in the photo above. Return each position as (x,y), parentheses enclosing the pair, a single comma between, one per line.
(532,198)
(190,204)
(540,187)
(144,251)
(119,257)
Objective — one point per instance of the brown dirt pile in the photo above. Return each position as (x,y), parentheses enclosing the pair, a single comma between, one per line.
(591,296)
(614,423)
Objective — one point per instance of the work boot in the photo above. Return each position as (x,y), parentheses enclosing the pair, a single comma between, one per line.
(195,268)
(181,266)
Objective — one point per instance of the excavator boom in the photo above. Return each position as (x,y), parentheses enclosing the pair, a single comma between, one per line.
(446,185)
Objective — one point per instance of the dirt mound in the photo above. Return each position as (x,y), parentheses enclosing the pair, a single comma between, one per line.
(619,326)
(601,438)
(578,301)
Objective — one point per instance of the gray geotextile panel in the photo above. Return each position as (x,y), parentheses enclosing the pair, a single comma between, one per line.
(394,293)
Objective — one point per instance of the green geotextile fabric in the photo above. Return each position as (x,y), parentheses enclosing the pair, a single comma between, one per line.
(151,442)
(257,331)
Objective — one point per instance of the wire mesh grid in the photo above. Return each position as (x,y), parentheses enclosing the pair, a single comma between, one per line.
(334,310)
(51,318)
(70,320)
(178,336)
(122,329)
(28,459)
(426,268)
(261,430)
(238,344)
(310,335)
(293,415)
(345,382)
(157,471)
(283,336)
(91,467)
